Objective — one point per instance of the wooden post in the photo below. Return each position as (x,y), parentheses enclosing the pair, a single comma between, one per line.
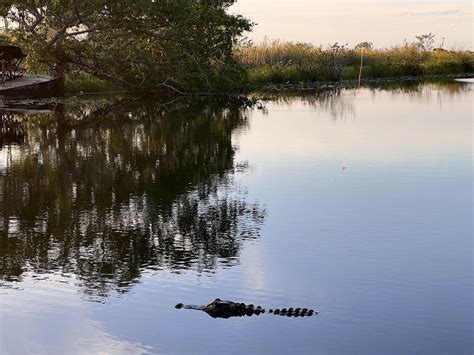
(361,63)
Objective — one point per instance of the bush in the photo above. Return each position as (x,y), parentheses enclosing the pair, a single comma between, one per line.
(81,81)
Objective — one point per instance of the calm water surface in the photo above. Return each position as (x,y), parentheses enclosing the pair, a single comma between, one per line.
(356,203)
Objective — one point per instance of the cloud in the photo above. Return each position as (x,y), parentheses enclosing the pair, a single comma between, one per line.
(383,22)
(42,310)
(452,12)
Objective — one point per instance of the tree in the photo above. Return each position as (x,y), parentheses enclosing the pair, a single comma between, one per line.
(336,62)
(365,45)
(425,42)
(183,45)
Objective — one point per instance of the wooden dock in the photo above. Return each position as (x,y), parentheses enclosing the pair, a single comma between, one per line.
(32,86)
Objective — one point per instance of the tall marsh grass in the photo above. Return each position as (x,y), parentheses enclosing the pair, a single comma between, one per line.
(293,62)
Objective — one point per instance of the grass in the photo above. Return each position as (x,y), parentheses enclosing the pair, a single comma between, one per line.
(79,81)
(289,62)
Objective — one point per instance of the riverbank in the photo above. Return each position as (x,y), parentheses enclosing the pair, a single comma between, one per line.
(301,66)
(347,84)
(274,63)
(87,85)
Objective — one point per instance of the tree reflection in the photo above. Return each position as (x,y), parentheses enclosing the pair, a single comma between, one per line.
(329,100)
(447,87)
(11,131)
(339,102)
(107,193)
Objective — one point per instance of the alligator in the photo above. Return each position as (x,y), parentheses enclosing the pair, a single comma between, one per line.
(218,308)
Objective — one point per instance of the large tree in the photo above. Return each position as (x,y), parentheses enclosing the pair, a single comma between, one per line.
(138,44)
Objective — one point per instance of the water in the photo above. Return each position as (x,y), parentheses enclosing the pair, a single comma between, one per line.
(357,204)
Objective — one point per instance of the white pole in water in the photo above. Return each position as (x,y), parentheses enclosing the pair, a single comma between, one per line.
(361,62)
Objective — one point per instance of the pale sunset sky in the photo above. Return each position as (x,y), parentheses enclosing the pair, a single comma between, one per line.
(383,22)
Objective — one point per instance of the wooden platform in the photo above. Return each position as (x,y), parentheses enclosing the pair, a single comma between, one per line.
(32,86)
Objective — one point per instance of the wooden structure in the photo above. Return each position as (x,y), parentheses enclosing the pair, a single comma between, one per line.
(11,58)
(14,84)
(32,86)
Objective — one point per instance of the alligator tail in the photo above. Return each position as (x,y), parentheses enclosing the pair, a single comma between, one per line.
(293,312)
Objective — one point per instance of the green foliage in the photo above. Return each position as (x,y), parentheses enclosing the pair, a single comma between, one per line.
(288,62)
(278,73)
(4,38)
(137,45)
(82,81)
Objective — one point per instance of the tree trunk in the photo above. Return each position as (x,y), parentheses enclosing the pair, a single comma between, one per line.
(59,68)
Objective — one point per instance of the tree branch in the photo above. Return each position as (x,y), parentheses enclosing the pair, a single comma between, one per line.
(90,30)
(38,18)
(171,87)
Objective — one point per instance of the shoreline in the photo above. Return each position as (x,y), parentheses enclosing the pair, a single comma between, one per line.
(265,88)
(354,83)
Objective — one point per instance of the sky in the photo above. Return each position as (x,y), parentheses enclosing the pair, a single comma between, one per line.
(383,22)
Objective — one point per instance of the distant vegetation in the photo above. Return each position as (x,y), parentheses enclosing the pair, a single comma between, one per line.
(290,62)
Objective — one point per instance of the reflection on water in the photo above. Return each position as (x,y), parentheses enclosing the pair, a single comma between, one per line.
(356,203)
(11,131)
(339,102)
(105,195)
